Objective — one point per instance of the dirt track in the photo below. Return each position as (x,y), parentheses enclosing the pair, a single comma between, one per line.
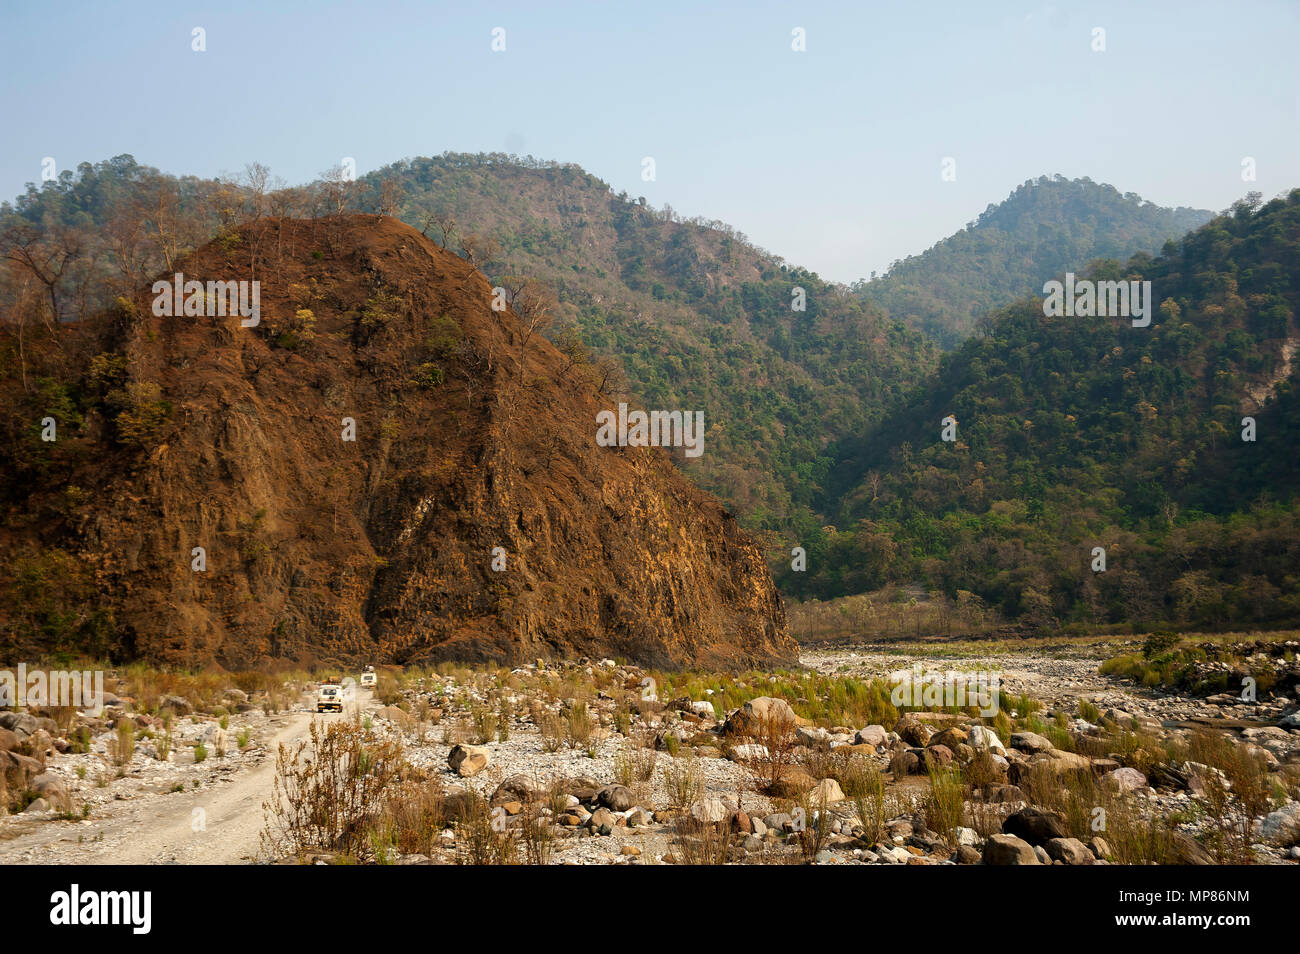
(218,824)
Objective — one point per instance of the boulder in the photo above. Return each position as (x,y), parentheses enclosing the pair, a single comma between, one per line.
(176,705)
(1070,851)
(1188,851)
(1282,827)
(21,724)
(1035,825)
(1009,850)
(1126,780)
(710,811)
(966,855)
(762,714)
(468,760)
(827,792)
(873,735)
(748,752)
(525,788)
(51,788)
(18,770)
(1030,742)
(793,782)
(982,737)
(950,737)
(936,756)
(813,737)
(704,710)
(913,731)
(618,798)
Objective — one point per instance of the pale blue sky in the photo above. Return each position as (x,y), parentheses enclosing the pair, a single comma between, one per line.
(830,157)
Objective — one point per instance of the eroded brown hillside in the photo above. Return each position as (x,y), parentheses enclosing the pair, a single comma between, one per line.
(381,548)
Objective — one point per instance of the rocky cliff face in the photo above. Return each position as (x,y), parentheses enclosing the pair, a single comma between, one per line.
(473,516)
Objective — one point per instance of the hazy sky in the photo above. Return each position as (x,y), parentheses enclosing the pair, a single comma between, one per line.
(829,157)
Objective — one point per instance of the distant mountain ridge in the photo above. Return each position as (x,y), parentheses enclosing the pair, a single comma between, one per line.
(1046,226)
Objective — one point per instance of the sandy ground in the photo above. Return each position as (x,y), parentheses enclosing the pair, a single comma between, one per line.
(218,823)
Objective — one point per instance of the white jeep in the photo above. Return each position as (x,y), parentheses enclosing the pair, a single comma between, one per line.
(329,698)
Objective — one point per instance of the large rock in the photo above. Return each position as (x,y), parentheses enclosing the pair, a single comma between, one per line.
(1009,850)
(21,724)
(873,735)
(1282,827)
(982,737)
(762,715)
(1126,780)
(913,731)
(1188,851)
(1035,825)
(176,705)
(935,757)
(18,770)
(52,789)
(710,811)
(1030,742)
(792,783)
(1070,851)
(950,737)
(617,798)
(827,792)
(468,760)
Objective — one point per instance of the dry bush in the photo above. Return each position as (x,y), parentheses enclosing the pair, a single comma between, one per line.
(944,804)
(683,781)
(635,762)
(552,732)
(416,813)
(327,791)
(813,826)
(122,746)
(776,736)
(579,726)
(702,843)
(486,836)
(864,785)
(387,690)
(536,830)
(1235,795)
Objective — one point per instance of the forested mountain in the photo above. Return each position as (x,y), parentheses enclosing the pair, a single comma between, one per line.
(1046,226)
(1075,433)
(822,424)
(685,314)
(698,317)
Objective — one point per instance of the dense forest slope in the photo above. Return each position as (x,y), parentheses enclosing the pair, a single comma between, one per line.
(1046,226)
(1074,433)
(202,499)
(680,314)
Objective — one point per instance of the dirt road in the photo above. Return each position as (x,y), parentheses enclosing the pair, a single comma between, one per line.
(219,823)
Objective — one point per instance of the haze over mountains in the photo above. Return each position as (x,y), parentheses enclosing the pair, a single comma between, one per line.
(1046,226)
(822,424)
